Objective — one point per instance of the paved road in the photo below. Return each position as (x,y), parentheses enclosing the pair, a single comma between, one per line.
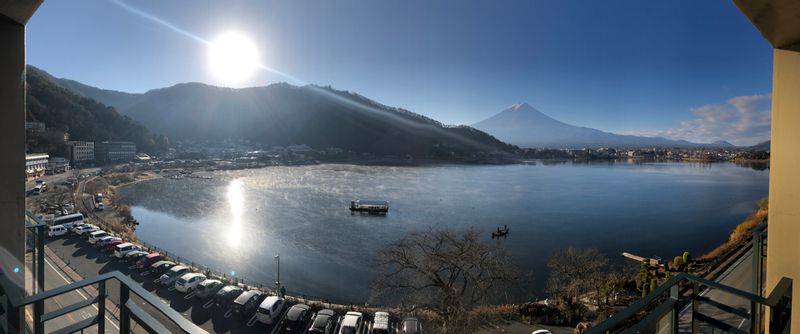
(738,276)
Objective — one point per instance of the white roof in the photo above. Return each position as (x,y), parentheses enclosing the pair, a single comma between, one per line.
(189,276)
(350,319)
(381,320)
(267,303)
(124,244)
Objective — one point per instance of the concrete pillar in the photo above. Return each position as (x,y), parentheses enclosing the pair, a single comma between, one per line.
(12,143)
(783,240)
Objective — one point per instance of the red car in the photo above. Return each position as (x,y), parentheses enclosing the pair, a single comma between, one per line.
(110,246)
(147,260)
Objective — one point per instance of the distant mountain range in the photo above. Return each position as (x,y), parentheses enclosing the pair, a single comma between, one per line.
(283,114)
(524,126)
(763,146)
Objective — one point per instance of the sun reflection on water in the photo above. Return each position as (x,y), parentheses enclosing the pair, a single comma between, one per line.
(236,201)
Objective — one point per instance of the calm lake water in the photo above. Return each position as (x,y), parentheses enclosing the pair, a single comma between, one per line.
(238,220)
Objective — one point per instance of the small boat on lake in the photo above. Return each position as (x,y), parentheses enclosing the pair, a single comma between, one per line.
(500,232)
(369,206)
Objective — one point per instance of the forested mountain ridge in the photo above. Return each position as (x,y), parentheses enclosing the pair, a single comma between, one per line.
(82,118)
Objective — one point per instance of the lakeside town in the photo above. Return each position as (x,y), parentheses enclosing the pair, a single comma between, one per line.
(235,154)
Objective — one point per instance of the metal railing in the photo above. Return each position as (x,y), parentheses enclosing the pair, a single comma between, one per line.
(153,315)
(659,311)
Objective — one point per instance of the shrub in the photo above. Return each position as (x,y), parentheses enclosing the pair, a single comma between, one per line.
(677,262)
(686,257)
(653,284)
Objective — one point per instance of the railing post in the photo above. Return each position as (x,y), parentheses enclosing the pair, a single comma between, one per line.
(14,316)
(101,307)
(124,315)
(754,316)
(38,310)
(40,257)
(674,293)
(695,294)
(38,307)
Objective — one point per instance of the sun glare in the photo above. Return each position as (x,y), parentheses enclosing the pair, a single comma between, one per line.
(233,57)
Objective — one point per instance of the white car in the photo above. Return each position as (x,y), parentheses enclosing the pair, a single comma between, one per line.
(56,230)
(270,309)
(86,229)
(124,248)
(541,331)
(380,324)
(172,275)
(188,282)
(96,236)
(352,323)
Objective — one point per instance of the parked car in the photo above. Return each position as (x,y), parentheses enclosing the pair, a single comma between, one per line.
(110,246)
(96,235)
(56,230)
(296,319)
(161,267)
(188,282)
(541,331)
(172,275)
(85,229)
(246,303)
(147,260)
(124,248)
(324,322)
(100,206)
(352,323)
(208,288)
(270,309)
(380,323)
(132,257)
(410,326)
(76,226)
(105,241)
(227,295)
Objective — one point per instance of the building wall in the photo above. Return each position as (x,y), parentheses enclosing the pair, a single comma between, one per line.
(783,245)
(115,151)
(12,141)
(81,151)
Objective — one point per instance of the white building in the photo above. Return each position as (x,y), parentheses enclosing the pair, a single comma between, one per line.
(35,164)
(81,151)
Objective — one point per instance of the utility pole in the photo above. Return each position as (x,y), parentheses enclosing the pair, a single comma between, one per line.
(278,281)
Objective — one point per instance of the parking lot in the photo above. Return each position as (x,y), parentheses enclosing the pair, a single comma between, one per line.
(87,260)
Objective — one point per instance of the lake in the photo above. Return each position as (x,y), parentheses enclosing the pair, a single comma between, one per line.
(236,221)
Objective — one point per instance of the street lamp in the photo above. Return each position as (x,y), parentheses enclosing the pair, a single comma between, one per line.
(278,261)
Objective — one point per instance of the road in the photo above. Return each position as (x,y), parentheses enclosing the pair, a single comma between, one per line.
(739,276)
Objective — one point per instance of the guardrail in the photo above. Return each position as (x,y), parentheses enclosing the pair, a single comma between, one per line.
(662,307)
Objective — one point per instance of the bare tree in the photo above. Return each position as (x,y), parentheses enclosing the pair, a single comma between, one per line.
(575,272)
(444,271)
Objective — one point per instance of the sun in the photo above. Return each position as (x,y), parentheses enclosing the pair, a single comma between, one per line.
(232,57)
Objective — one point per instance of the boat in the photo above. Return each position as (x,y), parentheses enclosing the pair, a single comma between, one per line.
(500,233)
(369,206)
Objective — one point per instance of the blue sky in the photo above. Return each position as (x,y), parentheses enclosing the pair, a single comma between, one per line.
(640,67)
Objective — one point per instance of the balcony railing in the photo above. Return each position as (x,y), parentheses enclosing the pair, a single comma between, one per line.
(682,305)
(147,310)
